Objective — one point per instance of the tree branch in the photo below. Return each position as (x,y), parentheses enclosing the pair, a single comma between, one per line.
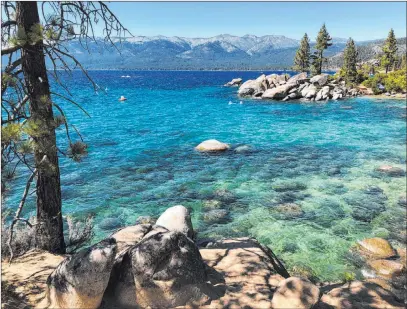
(18,213)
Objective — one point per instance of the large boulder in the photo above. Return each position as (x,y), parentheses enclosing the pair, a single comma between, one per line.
(253,87)
(309,91)
(130,236)
(298,79)
(81,279)
(323,94)
(375,248)
(279,92)
(168,271)
(234,82)
(321,79)
(212,145)
(295,293)
(177,219)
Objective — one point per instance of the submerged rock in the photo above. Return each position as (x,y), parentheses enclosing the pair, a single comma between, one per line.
(145,220)
(110,223)
(288,186)
(177,219)
(243,149)
(295,293)
(289,210)
(212,204)
(391,170)
(377,248)
(216,215)
(212,145)
(387,269)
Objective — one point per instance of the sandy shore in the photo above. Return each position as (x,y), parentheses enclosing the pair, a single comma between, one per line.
(398,96)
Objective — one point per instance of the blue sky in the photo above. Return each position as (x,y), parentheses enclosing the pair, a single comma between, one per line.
(360,20)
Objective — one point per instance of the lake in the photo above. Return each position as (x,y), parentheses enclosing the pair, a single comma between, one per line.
(304,182)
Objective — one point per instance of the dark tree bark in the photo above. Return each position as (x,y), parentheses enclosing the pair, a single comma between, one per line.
(49,228)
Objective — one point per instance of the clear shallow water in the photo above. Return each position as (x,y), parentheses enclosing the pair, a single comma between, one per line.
(321,157)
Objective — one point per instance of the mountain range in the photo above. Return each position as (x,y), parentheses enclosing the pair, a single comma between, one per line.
(222,52)
(218,52)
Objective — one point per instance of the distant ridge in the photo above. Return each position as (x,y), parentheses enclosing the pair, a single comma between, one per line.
(221,52)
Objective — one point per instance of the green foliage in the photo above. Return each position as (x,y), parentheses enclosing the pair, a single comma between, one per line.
(59,120)
(396,81)
(349,71)
(77,151)
(389,51)
(302,57)
(35,128)
(35,34)
(10,132)
(323,41)
(348,277)
(25,147)
(393,81)
(20,38)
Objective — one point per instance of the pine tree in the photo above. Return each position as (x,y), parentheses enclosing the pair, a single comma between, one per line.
(350,56)
(324,40)
(403,61)
(302,57)
(31,113)
(389,51)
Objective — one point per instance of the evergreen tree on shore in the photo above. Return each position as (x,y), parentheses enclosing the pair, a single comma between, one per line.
(350,55)
(31,114)
(324,40)
(389,51)
(302,57)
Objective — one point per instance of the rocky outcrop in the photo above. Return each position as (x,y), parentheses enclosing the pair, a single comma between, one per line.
(320,80)
(81,279)
(168,271)
(295,293)
(234,82)
(279,92)
(212,145)
(383,265)
(177,219)
(244,273)
(153,266)
(255,87)
(285,88)
(361,295)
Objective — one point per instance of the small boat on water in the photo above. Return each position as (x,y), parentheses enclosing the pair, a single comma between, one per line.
(122,98)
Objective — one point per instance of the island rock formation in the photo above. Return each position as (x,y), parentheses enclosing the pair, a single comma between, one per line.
(320,87)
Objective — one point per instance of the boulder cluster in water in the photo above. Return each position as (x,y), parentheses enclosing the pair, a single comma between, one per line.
(284,87)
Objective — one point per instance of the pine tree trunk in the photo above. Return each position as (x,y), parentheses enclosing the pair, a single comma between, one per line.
(49,230)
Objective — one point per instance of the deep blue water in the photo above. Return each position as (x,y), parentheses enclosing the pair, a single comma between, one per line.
(317,155)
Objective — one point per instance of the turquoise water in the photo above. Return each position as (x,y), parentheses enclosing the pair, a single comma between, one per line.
(318,155)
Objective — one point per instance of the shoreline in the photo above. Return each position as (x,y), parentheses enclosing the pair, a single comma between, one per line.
(398,96)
